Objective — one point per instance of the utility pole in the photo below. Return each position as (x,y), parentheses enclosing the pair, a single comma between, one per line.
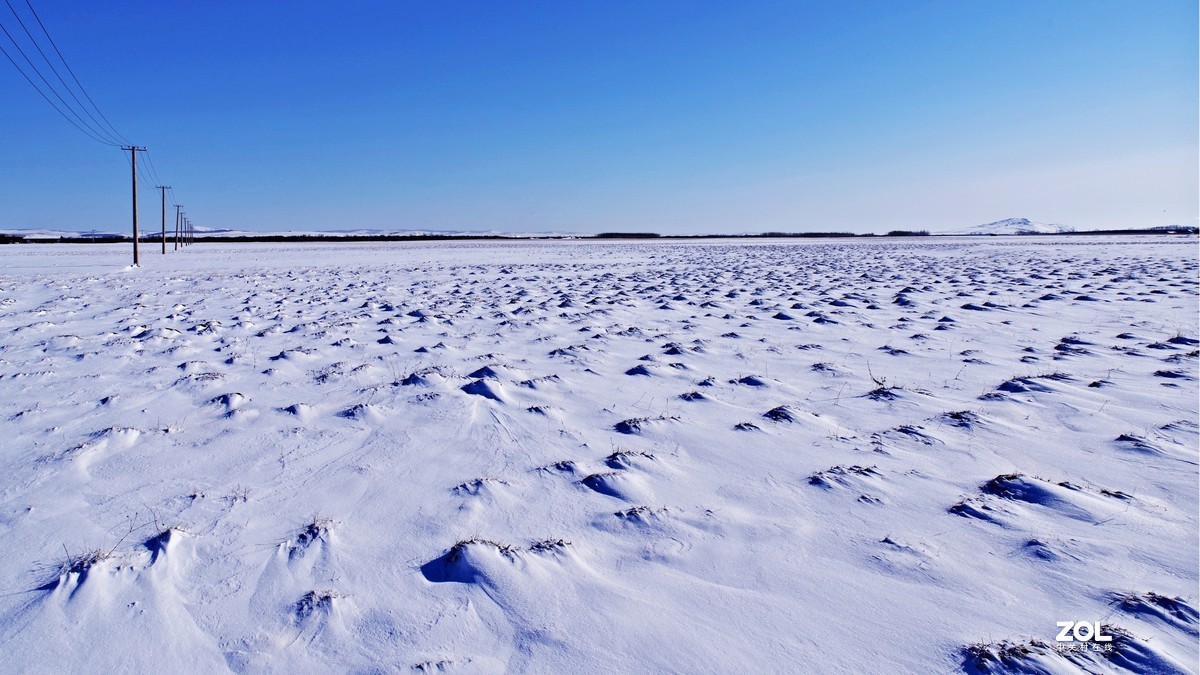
(133,151)
(164,189)
(177,220)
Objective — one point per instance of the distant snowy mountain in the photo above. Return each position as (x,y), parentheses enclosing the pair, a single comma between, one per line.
(33,234)
(1013,226)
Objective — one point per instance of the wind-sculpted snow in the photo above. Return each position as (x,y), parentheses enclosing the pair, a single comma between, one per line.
(819,456)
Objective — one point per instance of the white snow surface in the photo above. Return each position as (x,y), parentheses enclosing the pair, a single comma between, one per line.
(816,456)
(1014,226)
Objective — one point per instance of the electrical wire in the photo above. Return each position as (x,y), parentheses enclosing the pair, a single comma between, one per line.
(109,136)
(129,161)
(84,128)
(144,173)
(72,73)
(140,168)
(153,169)
(99,128)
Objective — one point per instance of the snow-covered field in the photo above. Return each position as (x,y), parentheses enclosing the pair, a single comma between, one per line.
(845,456)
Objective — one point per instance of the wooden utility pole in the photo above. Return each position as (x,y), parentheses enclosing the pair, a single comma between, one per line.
(164,189)
(177,221)
(133,151)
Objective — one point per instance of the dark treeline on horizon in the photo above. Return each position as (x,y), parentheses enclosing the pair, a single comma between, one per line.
(606,236)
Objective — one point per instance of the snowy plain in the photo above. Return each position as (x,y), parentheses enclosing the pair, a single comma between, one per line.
(893,455)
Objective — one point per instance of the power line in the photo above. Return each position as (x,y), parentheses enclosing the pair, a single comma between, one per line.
(145,175)
(99,128)
(153,169)
(85,129)
(98,132)
(150,166)
(72,72)
(141,172)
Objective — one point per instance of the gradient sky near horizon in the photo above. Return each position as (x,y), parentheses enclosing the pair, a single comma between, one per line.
(673,117)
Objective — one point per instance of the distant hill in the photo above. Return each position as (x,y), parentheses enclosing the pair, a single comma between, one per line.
(44,234)
(1013,226)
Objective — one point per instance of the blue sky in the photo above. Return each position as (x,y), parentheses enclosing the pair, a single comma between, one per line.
(675,117)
